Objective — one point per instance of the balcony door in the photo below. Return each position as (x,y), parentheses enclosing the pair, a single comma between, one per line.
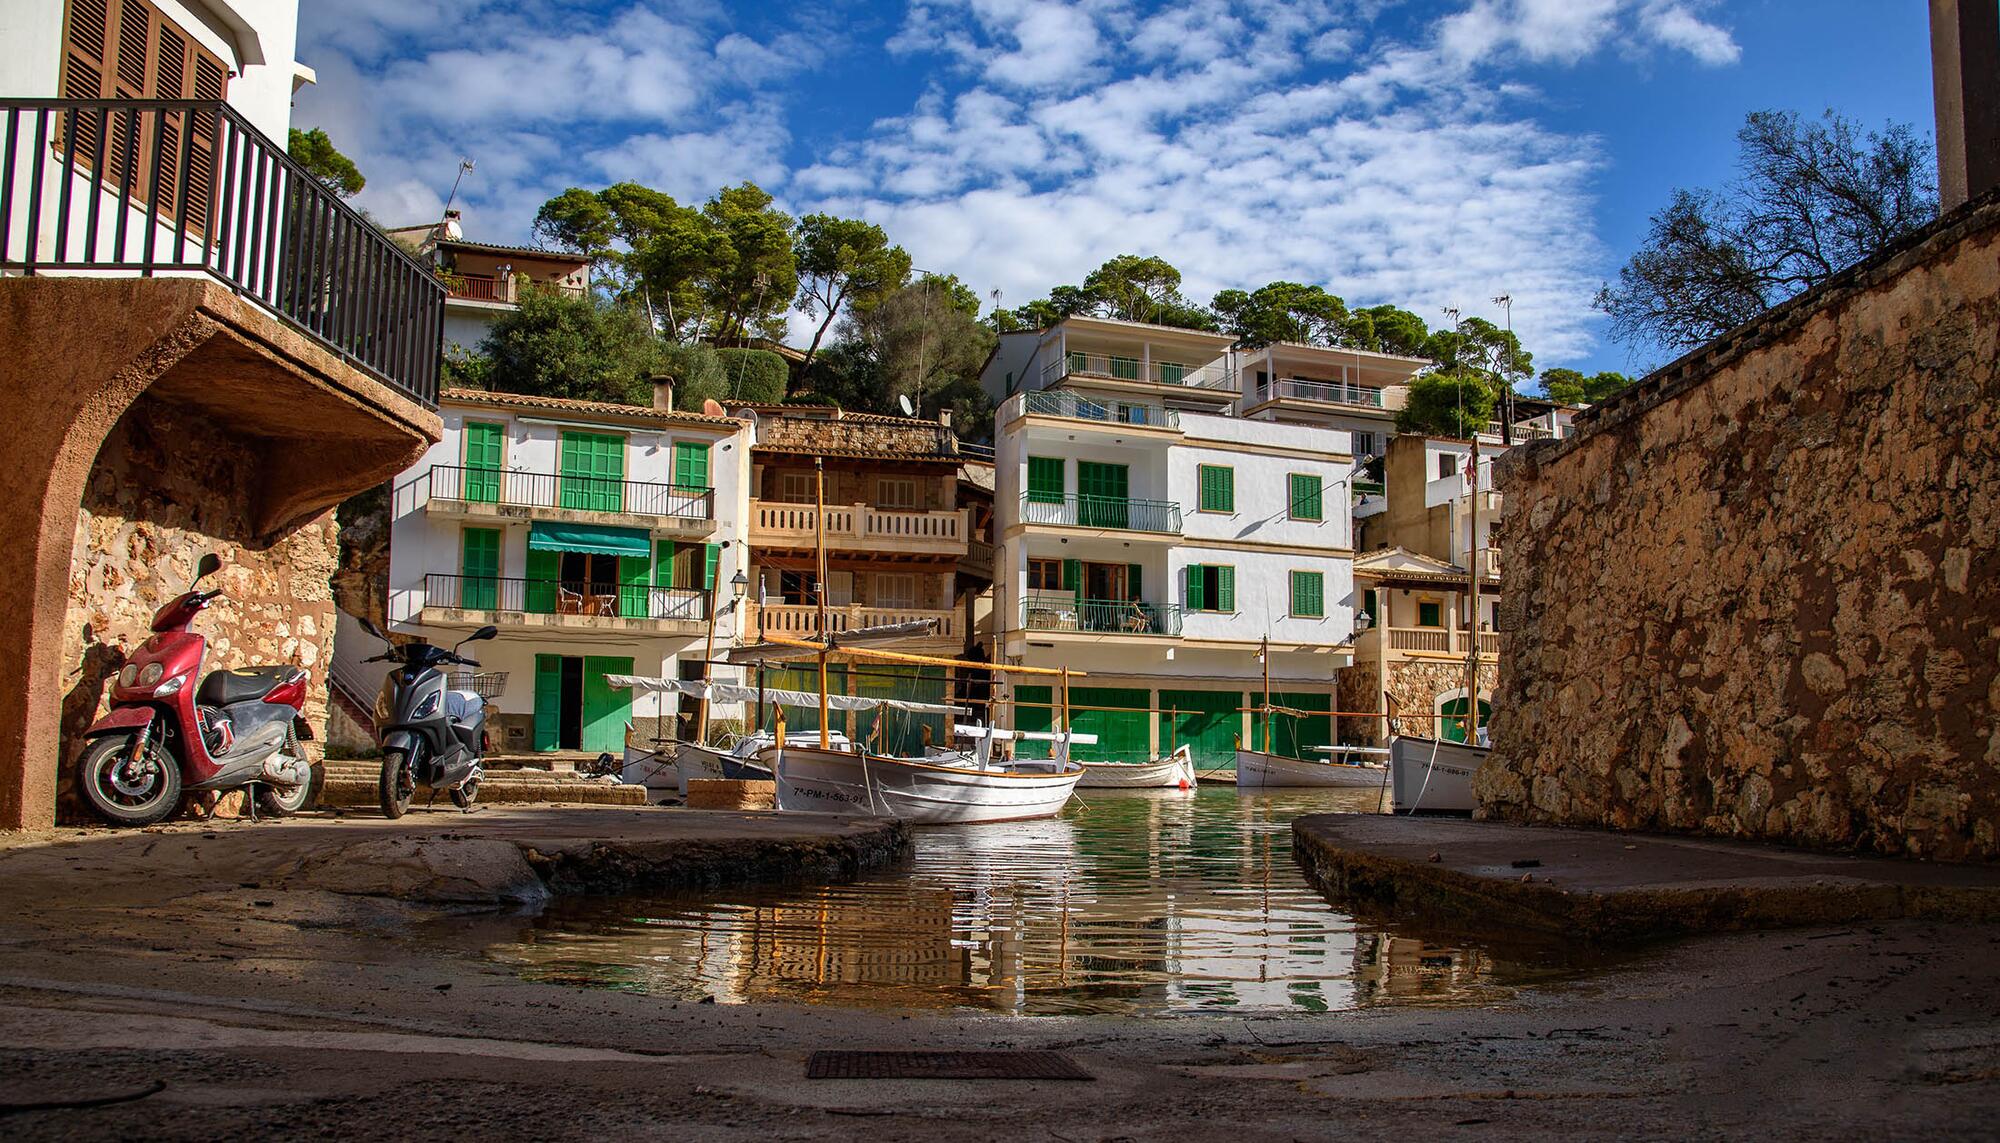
(482,462)
(1103,492)
(593,472)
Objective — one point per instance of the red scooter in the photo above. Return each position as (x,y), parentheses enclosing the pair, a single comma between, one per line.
(165,735)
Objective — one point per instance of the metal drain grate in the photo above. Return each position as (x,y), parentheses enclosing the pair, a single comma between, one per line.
(944,1065)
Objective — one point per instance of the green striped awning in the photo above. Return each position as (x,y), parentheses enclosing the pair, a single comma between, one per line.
(594,539)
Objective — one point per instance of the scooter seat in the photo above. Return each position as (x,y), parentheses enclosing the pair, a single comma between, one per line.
(463,706)
(242,684)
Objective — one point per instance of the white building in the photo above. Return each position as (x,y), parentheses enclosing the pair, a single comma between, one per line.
(1153,538)
(483,281)
(599,538)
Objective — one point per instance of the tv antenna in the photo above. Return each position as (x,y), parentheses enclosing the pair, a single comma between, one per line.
(464,168)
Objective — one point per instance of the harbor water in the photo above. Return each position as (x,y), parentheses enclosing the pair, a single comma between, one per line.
(1131,902)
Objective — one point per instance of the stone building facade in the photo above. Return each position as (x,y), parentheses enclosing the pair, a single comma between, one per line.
(1759,596)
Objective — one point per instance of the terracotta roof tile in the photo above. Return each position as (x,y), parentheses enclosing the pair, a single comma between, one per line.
(572,405)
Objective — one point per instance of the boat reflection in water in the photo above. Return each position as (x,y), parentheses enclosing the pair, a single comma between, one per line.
(1136,902)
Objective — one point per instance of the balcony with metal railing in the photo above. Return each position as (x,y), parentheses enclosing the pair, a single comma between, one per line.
(1061,612)
(1107,512)
(459,491)
(1215,376)
(189,188)
(1322,392)
(1071,406)
(470,600)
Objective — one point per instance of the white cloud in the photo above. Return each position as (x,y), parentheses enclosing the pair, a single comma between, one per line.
(1673,25)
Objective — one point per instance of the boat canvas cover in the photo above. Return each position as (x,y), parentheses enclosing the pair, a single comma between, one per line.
(736,692)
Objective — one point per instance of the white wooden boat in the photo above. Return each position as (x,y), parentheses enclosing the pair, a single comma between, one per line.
(736,761)
(1174,772)
(1433,775)
(653,769)
(944,788)
(1345,769)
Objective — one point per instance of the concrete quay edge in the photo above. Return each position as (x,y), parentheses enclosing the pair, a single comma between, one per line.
(1607,887)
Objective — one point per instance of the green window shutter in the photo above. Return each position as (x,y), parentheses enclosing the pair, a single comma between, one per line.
(1103,495)
(1225,588)
(1135,576)
(479,565)
(1306,500)
(540,591)
(663,563)
(1368,606)
(634,596)
(1045,479)
(1309,594)
(1073,578)
(1430,614)
(691,464)
(711,560)
(1197,593)
(548,700)
(593,469)
(482,462)
(1171,373)
(1218,488)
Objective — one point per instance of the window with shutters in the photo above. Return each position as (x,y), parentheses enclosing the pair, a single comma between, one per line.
(1430,613)
(1211,587)
(1306,501)
(795,487)
(1308,595)
(128,50)
(691,464)
(1045,480)
(1218,487)
(897,492)
(895,589)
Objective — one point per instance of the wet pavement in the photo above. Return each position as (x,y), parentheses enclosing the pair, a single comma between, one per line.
(1132,902)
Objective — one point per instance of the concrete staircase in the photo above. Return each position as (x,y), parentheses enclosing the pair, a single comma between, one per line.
(353,783)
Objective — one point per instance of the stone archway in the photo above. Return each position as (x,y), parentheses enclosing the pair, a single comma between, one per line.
(81,353)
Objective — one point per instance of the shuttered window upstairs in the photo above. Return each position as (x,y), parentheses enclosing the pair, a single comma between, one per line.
(128,50)
(1308,595)
(1218,487)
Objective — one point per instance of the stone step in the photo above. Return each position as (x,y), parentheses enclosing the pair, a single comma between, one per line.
(353,792)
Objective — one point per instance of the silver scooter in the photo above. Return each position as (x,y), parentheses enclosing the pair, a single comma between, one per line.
(430,734)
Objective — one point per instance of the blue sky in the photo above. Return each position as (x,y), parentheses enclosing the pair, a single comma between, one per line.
(1421,152)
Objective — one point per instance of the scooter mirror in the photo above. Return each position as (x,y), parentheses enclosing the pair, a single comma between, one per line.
(487,632)
(208,565)
(369,626)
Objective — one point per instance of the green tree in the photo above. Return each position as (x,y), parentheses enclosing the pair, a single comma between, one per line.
(561,345)
(1387,329)
(1282,311)
(843,262)
(754,276)
(323,161)
(1571,387)
(754,375)
(925,342)
(1809,200)
(1447,403)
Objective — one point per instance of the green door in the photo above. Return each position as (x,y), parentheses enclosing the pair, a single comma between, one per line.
(1453,723)
(1103,493)
(1124,733)
(482,462)
(635,591)
(1208,723)
(593,472)
(606,710)
(548,701)
(479,568)
(1294,735)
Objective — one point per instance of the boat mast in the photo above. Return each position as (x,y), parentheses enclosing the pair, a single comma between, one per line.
(707,657)
(1472,608)
(825,640)
(1264,654)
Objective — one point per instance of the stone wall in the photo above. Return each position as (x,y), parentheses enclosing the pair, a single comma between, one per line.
(1414,687)
(169,485)
(1759,596)
(1358,689)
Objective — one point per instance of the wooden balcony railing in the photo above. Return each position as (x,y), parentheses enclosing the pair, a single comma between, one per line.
(802,619)
(189,186)
(854,526)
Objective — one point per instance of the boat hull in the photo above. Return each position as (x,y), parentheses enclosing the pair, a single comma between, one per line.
(831,781)
(653,769)
(702,762)
(1255,768)
(1174,772)
(1433,776)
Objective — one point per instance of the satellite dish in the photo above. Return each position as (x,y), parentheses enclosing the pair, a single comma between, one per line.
(710,407)
(903,402)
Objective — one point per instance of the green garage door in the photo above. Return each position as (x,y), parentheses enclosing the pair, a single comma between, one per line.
(606,709)
(1292,735)
(1123,734)
(902,730)
(1208,723)
(1033,714)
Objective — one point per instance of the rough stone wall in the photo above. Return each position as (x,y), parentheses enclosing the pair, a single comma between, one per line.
(168,486)
(1760,596)
(1414,687)
(864,434)
(1358,689)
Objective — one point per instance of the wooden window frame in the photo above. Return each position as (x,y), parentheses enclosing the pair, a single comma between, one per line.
(1430,601)
(1039,568)
(785,494)
(915,487)
(880,597)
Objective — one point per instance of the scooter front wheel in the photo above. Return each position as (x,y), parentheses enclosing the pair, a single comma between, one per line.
(125,790)
(398,784)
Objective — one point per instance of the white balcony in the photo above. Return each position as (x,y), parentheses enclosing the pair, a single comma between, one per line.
(801,620)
